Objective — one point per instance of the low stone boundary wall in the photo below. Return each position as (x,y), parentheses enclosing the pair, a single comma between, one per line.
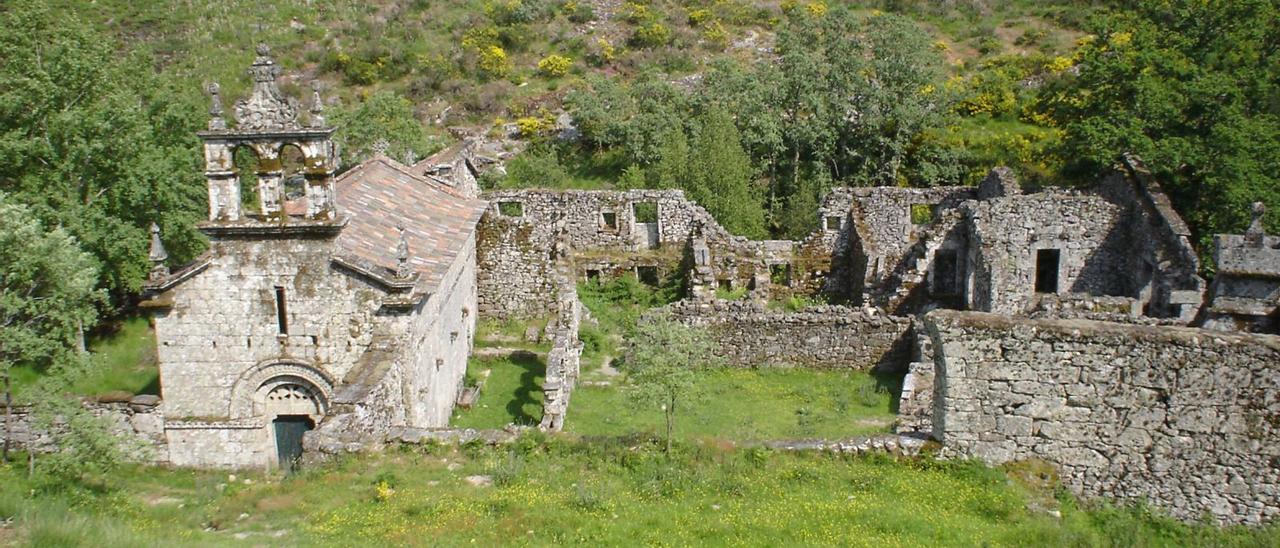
(1187,419)
(824,337)
(564,361)
(137,422)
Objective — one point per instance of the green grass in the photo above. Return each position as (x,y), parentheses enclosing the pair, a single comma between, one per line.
(605,493)
(742,404)
(123,360)
(511,394)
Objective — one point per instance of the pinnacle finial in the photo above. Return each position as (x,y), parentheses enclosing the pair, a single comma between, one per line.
(402,256)
(317,105)
(216,122)
(1256,233)
(158,255)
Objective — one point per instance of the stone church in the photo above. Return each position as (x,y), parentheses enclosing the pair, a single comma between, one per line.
(353,295)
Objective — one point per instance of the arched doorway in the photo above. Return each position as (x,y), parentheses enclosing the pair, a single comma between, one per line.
(293,408)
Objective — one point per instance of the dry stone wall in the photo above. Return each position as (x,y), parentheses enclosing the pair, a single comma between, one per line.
(1007,234)
(826,337)
(1187,419)
(138,423)
(608,232)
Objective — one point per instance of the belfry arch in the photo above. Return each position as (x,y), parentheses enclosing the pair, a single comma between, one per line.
(267,122)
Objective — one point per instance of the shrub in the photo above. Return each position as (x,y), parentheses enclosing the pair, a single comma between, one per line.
(715,35)
(554,65)
(651,35)
(699,16)
(494,62)
(579,12)
(601,52)
(635,13)
(531,126)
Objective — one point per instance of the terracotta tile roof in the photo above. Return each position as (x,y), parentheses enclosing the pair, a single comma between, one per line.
(382,194)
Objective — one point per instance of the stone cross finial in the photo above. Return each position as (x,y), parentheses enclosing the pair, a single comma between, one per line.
(216,122)
(402,256)
(158,255)
(317,105)
(1256,235)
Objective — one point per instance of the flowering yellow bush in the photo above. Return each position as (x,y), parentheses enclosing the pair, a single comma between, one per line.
(530,126)
(494,62)
(555,65)
(651,35)
(607,51)
(1058,64)
(816,9)
(383,491)
(635,13)
(699,16)
(1121,39)
(715,35)
(941,45)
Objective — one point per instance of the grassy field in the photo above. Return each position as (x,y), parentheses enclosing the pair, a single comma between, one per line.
(610,492)
(511,394)
(737,404)
(734,404)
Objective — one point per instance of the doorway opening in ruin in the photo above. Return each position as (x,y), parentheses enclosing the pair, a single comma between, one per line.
(289,430)
(1047,261)
(945,262)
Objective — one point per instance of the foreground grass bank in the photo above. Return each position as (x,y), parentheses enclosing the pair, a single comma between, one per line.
(563,491)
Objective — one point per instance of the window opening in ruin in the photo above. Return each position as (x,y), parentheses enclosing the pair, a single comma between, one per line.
(833,223)
(1047,261)
(944,272)
(645,212)
(610,219)
(780,274)
(923,214)
(725,284)
(647,275)
(282,320)
(593,275)
(511,209)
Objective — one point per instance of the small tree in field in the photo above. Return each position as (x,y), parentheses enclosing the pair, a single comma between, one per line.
(662,363)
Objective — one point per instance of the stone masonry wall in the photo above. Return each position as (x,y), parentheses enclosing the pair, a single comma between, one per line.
(1006,234)
(828,337)
(1188,419)
(138,424)
(603,232)
(564,360)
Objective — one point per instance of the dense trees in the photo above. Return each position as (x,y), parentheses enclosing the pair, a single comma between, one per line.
(97,144)
(1192,87)
(846,99)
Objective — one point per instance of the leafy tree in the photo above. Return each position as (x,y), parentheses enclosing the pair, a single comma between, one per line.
(537,167)
(721,177)
(385,122)
(1193,88)
(662,366)
(47,293)
(98,145)
(672,168)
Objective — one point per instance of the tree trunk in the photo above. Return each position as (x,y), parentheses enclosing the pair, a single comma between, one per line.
(671,413)
(8,414)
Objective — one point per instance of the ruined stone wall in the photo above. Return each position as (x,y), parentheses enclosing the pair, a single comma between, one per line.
(564,360)
(1188,419)
(826,337)
(604,235)
(1162,264)
(138,424)
(1006,233)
